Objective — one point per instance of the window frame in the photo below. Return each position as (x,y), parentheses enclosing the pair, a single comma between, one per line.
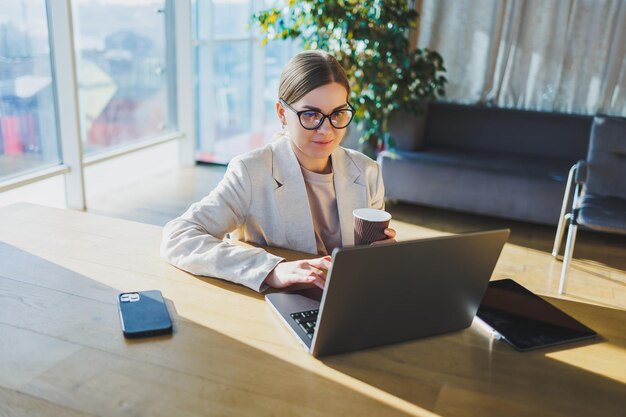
(179,72)
(205,43)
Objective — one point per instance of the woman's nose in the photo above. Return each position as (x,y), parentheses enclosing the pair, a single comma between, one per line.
(325,126)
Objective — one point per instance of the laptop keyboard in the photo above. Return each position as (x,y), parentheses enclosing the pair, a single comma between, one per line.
(307,321)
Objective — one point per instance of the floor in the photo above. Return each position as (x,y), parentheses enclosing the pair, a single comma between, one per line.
(597,275)
(159,199)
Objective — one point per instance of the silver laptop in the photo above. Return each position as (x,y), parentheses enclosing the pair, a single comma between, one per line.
(376,295)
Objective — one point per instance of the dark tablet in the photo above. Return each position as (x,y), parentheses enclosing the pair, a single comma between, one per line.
(525,320)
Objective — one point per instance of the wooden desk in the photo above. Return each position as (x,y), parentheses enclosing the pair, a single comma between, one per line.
(62,352)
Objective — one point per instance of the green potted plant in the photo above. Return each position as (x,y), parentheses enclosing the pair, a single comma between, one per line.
(370,40)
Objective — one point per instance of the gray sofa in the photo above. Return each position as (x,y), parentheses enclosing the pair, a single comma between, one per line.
(498,162)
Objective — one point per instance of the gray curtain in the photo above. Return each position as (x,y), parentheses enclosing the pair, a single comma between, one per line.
(564,56)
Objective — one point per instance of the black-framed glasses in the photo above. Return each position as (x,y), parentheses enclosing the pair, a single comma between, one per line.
(313,119)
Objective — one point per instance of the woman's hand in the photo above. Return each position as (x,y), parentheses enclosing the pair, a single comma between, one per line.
(307,271)
(391,237)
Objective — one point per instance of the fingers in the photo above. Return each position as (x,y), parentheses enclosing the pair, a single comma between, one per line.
(391,235)
(312,271)
(319,283)
(383,242)
(307,271)
(323,263)
(316,276)
(308,274)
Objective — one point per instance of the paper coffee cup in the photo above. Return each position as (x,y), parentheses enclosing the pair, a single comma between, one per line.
(370,225)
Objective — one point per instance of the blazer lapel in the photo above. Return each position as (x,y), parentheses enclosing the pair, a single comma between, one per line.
(292,198)
(350,191)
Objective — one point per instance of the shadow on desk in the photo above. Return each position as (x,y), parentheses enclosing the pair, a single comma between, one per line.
(62,353)
(465,373)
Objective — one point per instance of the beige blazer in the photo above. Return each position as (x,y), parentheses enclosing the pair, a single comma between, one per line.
(262,199)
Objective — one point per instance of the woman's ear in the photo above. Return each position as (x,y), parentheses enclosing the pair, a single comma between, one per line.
(280,110)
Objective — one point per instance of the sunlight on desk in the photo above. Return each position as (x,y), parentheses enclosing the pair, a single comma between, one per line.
(591,282)
(63,350)
(606,360)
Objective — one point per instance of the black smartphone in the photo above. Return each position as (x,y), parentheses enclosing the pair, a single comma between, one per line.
(143,314)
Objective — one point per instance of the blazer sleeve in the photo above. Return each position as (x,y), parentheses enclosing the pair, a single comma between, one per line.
(193,242)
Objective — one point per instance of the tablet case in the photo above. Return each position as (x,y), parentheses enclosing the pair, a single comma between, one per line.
(527,321)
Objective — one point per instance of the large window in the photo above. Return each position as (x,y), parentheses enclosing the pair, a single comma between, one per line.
(237,79)
(96,73)
(28,131)
(121,55)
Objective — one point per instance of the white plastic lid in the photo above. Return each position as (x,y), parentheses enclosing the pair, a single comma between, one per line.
(372,215)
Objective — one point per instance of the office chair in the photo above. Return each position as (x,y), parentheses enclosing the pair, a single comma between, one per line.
(599,198)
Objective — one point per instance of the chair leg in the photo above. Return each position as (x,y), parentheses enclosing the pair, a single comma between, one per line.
(563,217)
(569,252)
(559,234)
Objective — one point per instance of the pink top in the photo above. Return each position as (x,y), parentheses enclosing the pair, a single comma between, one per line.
(320,189)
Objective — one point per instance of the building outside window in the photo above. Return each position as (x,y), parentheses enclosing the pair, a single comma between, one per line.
(236,79)
(126,81)
(28,129)
(126,89)
(123,75)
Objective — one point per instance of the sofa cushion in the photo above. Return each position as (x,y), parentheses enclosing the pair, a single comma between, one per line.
(407,130)
(518,132)
(523,189)
(494,162)
(605,214)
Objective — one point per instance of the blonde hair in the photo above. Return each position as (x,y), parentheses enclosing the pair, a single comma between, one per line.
(307,71)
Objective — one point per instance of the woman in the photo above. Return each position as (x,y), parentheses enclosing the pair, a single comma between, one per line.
(297,192)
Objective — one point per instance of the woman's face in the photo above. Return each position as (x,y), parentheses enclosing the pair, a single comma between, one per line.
(313,147)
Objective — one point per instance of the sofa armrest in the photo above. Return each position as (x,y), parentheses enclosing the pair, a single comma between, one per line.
(408,130)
